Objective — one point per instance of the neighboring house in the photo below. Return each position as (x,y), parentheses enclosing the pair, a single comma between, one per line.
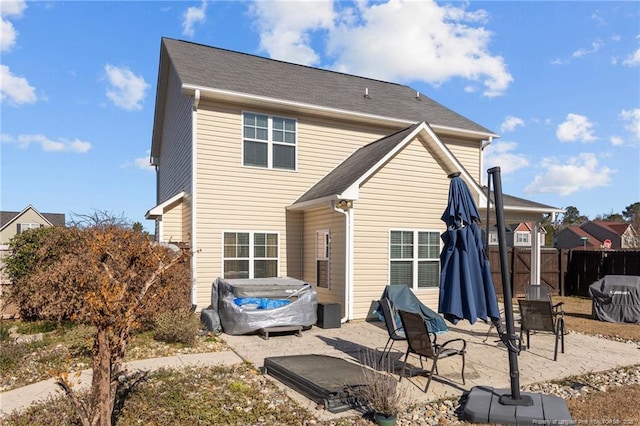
(13,223)
(268,168)
(598,234)
(518,234)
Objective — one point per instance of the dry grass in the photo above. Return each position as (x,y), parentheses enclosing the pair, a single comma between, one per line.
(578,318)
(618,405)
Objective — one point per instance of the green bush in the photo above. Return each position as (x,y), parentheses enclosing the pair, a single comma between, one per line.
(177,326)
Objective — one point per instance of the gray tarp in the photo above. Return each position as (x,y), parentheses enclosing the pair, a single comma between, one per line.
(616,298)
(235,319)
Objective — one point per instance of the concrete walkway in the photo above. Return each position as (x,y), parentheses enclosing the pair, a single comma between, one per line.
(487,361)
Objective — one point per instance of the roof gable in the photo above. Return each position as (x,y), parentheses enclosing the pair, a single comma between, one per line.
(51,219)
(345,180)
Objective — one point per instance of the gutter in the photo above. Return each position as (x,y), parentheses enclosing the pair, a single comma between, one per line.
(345,207)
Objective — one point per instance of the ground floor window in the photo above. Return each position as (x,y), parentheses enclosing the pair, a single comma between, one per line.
(250,255)
(322,258)
(414,258)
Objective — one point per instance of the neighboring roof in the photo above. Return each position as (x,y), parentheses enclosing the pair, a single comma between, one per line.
(577,230)
(617,228)
(226,72)
(54,219)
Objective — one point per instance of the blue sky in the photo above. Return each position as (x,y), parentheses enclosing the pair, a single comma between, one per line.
(559,81)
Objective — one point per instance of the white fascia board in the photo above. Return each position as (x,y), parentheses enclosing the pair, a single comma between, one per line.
(158,210)
(190,89)
(16,217)
(318,202)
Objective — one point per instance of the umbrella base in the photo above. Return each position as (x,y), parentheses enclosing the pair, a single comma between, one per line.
(483,405)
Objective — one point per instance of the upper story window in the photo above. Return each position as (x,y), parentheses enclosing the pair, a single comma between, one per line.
(24,226)
(523,238)
(414,258)
(268,141)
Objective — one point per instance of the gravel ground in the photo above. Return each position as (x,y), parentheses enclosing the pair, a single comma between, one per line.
(447,412)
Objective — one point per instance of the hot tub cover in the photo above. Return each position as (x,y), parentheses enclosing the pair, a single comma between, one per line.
(235,319)
(616,298)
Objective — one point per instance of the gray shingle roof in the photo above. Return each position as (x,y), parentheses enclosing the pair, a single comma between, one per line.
(210,67)
(56,219)
(355,166)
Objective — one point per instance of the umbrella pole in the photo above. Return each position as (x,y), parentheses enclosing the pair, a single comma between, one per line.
(515,398)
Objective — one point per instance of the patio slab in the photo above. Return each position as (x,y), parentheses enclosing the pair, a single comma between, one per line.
(487,361)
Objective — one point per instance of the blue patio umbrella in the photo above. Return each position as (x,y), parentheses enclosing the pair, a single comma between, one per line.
(466,286)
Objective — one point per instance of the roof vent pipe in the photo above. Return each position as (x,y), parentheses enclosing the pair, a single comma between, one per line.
(417,95)
(366,92)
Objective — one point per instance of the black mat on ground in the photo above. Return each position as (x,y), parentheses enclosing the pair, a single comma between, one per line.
(323,379)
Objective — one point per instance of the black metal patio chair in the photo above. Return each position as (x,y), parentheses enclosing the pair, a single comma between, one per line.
(539,315)
(420,344)
(393,328)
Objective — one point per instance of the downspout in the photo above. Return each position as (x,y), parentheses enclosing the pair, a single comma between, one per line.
(194,181)
(484,145)
(347,211)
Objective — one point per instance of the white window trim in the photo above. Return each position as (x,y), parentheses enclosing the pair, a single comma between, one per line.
(414,258)
(251,257)
(326,238)
(25,226)
(269,142)
(523,235)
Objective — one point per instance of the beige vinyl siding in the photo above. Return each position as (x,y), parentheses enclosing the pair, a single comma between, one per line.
(410,193)
(467,152)
(295,248)
(175,155)
(326,218)
(233,197)
(172,221)
(28,216)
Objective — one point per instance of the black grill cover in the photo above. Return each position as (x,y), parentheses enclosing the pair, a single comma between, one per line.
(616,298)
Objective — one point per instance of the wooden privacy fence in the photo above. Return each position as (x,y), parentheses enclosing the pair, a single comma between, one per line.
(585,267)
(567,272)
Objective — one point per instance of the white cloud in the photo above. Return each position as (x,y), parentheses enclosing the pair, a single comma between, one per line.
(616,140)
(500,154)
(510,123)
(577,174)
(8,34)
(126,89)
(16,90)
(49,145)
(595,46)
(632,121)
(285,28)
(576,127)
(438,43)
(142,163)
(193,15)
(633,59)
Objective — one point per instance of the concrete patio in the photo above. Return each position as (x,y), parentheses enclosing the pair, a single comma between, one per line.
(486,362)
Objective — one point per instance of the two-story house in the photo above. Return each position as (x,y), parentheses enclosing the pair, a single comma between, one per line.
(13,223)
(518,234)
(598,234)
(268,168)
